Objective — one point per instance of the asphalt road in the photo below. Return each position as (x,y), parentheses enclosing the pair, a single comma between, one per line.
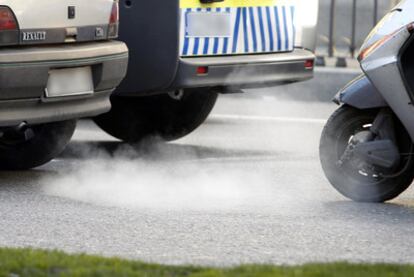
(244,188)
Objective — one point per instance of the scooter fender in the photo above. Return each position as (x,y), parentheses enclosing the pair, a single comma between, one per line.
(361,94)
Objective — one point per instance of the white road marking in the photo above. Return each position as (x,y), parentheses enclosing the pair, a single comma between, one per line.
(268,118)
(247,158)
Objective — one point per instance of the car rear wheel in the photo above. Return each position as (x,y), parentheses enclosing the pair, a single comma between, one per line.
(169,116)
(32,146)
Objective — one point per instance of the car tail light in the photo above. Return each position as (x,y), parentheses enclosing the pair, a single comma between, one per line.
(202,70)
(9,29)
(7,19)
(309,64)
(114,21)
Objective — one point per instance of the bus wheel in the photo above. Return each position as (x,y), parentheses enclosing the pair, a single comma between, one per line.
(168,116)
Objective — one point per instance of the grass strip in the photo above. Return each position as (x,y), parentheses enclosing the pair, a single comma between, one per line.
(29,262)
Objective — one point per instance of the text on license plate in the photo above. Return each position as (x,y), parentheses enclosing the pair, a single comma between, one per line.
(208,24)
(70,82)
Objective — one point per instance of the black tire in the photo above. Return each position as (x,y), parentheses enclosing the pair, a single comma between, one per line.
(133,119)
(344,123)
(47,142)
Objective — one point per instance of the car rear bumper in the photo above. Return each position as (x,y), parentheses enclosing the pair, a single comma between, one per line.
(35,111)
(245,71)
(24,73)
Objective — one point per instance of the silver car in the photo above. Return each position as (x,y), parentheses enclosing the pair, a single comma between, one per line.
(58,62)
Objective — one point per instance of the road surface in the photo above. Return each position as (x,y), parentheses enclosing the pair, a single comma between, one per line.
(245,188)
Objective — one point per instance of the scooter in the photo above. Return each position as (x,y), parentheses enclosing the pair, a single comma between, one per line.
(366,148)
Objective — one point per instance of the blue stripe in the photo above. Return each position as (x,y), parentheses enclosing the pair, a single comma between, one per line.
(292,10)
(216,40)
(216,45)
(262,32)
(269,25)
(226,40)
(196,45)
(236,30)
(206,40)
(286,28)
(253,29)
(196,41)
(246,35)
(186,40)
(206,44)
(278,31)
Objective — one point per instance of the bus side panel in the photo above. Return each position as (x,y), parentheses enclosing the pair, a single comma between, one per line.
(151,30)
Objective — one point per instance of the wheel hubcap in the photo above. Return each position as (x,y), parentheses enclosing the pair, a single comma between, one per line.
(359,166)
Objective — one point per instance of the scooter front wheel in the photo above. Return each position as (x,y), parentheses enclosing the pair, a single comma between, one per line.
(347,177)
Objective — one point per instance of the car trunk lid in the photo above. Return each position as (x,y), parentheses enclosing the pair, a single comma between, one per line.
(60,21)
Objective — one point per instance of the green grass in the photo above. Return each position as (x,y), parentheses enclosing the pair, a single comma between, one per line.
(26,262)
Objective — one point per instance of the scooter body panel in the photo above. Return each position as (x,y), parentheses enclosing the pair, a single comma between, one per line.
(383,70)
(376,170)
(361,94)
(398,17)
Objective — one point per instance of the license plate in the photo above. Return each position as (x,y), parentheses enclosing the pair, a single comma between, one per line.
(70,82)
(208,24)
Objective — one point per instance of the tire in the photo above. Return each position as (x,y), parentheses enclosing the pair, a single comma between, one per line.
(348,180)
(47,142)
(133,119)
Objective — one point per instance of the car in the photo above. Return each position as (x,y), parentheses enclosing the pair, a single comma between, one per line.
(184,53)
(58,62)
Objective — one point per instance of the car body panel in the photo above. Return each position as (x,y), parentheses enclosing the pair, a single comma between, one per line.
(35,63)
(253,27)
(41,14)
(156,63)
(232,73)
(153,48)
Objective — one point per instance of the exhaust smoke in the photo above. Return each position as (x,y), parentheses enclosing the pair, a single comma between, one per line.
(231,163)
(155,181)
